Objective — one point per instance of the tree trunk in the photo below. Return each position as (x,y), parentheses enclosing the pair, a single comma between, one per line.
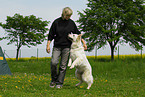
(112,50)
(112,53)
(17,54)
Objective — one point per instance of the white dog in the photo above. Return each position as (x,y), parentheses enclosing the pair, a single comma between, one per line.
(77,55)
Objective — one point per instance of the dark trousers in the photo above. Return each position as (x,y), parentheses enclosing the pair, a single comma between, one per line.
(62,55)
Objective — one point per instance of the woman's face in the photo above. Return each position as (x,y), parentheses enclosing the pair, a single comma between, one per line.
(67,17)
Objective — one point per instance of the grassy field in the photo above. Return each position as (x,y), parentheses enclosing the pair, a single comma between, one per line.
(121,78)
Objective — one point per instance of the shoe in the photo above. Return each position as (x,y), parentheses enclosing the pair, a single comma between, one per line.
(52,84)
(58,86)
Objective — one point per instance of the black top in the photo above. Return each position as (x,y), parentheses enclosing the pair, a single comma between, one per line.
(59,32)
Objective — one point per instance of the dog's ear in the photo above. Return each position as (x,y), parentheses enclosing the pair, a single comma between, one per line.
(79,37)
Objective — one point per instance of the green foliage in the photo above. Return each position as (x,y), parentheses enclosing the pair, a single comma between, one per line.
(25,30)
(113,22)
(31,78)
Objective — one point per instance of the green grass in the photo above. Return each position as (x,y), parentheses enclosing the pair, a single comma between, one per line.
(31,78)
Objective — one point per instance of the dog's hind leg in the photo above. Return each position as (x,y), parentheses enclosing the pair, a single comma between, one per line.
(79,76)
(89,85)
(79,83)
(87,78)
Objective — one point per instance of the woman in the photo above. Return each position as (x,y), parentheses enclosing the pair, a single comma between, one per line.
(59,31)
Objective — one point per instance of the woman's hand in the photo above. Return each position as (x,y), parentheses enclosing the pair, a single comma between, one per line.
(85,47)
(48,49)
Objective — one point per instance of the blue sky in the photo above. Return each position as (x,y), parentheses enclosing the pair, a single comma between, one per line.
(47,10)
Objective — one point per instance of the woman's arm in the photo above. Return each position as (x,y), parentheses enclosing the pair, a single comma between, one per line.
(48,46)
(84,44)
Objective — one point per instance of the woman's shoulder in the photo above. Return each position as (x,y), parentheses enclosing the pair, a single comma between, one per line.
(71,21)
(57,19)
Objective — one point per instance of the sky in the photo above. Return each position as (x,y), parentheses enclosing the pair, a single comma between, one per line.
(48,10)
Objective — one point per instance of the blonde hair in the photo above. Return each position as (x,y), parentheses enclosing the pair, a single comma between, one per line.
(67,11)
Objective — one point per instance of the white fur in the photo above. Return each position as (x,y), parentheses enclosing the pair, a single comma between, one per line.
(78,57)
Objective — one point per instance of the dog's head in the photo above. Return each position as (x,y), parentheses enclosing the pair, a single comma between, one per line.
(76,40)
(75,37)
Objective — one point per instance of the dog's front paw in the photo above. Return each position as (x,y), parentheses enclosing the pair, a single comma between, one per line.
(71,67)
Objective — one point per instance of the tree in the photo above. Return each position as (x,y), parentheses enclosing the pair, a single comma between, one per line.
(24,31)
(113,21)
